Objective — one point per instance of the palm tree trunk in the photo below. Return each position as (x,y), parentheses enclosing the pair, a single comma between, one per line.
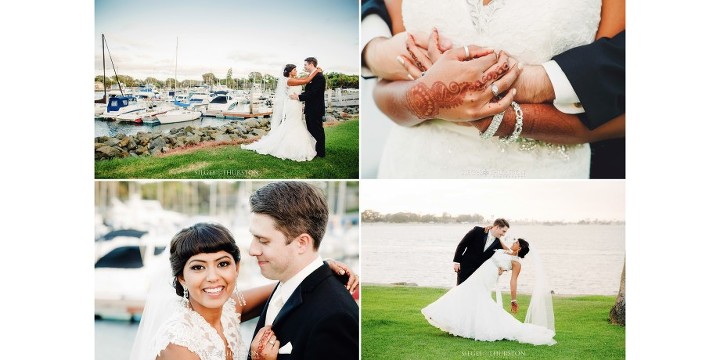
(617,313)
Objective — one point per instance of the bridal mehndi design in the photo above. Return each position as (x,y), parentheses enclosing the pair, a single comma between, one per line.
(425,102)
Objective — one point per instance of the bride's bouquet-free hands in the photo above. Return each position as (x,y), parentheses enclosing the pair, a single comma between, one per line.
(343,271)
(514,306)
(456,85)
(265,346)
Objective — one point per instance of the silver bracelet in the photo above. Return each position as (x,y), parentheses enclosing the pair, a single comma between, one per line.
(518,124)
(494,126)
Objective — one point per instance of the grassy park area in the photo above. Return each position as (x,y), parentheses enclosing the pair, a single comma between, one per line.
(231,162)
(394,328)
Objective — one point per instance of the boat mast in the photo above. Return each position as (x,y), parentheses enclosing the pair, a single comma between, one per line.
(104,77)
(176,54)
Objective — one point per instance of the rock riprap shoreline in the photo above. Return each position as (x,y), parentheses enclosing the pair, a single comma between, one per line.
(155,143)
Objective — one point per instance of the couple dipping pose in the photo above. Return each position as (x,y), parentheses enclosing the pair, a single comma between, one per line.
(290,137)
(468,309)
(308,313)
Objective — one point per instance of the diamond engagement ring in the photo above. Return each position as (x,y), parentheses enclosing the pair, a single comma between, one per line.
(467,52)
(494,89)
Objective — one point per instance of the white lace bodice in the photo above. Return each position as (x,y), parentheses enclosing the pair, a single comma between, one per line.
(504,260)
(189,329)
(294,89)
(530,31)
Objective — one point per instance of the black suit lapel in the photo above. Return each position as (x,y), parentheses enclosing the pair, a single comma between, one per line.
(291,304)
(491,244)
(306,286)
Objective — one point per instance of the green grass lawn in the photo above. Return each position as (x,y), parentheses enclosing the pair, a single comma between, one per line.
(231,162)
(394,328)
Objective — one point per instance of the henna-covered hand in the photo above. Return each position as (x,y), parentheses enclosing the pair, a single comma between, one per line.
(458,89)
(265,346)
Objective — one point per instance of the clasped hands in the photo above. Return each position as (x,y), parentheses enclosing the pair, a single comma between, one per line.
(453,84)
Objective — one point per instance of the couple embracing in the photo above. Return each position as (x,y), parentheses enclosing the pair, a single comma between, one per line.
(307,313)
(468,309)
(290,137)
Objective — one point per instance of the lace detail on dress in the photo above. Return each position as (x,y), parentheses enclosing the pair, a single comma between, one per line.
(482,14)
(189,329)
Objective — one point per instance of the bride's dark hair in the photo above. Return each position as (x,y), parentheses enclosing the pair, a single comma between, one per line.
(196,239)
(288,69)
(524,248)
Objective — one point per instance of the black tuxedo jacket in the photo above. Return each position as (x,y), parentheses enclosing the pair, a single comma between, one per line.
(320,319)
(314,98)
(471,252)
(597,74)
(375,7)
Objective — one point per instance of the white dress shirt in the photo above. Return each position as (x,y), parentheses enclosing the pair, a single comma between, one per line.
(490,239)
(284,290)
(566,100)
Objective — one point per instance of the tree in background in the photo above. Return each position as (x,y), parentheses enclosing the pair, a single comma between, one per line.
(339,80)
(229,79)
(209,78)
(617,313)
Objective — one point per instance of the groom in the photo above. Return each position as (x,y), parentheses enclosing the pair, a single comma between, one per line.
(312,314)
(314,98)
(476,247)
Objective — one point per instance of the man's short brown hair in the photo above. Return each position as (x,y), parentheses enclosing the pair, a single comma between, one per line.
(297,207)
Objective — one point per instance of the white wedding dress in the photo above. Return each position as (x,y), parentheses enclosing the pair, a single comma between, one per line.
(189,329)
(469,311)
(530,31)
(290,138)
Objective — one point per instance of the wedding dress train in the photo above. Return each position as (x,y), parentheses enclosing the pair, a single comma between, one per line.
(469,311)
(289,137)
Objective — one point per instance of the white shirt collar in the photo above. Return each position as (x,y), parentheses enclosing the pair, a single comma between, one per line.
(289,286)
(489,240)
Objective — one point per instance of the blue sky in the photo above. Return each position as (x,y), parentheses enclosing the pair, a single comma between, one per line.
(214,36)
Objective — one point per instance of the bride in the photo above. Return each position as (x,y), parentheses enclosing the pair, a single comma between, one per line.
(288,137)
(199,315)
(468,310)
(435,146)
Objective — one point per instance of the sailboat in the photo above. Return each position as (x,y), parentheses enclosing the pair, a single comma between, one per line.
(181,114)
(118,105)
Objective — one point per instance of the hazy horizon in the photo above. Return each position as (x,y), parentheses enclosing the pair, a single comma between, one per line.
(540,200)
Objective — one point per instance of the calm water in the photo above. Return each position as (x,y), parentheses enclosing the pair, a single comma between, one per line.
(579,259)
(112,128)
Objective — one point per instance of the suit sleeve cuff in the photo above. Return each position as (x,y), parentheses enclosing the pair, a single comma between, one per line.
(565,98)
(373,26)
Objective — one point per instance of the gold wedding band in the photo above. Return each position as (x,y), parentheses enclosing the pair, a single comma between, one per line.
(467,52)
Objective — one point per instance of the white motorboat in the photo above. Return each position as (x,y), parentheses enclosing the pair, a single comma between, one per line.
(221,103)
(149,114)
(178,115)
(120,105)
